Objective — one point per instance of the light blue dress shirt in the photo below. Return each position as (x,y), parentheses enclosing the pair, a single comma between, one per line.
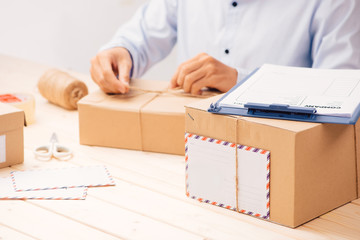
(245,34)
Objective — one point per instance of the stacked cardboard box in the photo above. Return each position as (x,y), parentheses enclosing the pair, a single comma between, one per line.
(312,165)
(11,135)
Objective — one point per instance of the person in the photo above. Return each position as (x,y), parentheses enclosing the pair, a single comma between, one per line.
(219,42)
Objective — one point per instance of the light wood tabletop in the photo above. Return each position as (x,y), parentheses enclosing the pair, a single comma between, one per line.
(148,201)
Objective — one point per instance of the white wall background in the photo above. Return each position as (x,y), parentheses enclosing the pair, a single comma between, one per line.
(67,33)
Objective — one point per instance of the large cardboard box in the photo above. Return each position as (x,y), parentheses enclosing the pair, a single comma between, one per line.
(357,140)
(312,165)
(140,120)
(11,135)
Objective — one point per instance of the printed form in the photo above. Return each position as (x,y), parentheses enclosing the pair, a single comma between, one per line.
(333,92)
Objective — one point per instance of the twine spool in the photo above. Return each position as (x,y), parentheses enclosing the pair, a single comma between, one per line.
(61,88)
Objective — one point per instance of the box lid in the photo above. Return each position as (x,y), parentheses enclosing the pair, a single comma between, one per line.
(10,118)
(294,126)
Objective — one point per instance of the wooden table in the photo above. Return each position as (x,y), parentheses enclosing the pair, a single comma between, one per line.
(149,199)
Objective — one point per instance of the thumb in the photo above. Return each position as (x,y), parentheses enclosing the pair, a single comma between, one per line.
(173,81)
(124,74)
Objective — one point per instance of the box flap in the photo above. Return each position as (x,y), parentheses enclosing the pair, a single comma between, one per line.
(10,118)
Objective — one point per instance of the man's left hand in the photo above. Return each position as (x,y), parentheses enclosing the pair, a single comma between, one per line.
(204,71)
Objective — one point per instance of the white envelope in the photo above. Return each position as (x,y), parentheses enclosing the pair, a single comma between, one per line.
(44,179)
(8,192)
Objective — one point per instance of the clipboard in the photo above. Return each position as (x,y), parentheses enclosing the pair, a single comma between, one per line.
(279,110)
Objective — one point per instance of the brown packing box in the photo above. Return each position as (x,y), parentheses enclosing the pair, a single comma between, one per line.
(141,120)
(313,166)
(11,135)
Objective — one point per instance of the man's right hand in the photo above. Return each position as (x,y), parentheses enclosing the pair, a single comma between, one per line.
(107,65)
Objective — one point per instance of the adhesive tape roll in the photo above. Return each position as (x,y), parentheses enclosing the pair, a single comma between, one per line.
(23,101)
(61,88)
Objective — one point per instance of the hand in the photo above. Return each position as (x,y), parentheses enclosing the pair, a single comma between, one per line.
(204,71)
(106,65)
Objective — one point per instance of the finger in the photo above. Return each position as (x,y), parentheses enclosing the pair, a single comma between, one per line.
(109,81)
(97,76)
(192,78)
(187,68)
(94,70)
(198,85)
(173,82)
(124,75)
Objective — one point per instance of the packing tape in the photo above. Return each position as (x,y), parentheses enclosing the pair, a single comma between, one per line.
(23,101)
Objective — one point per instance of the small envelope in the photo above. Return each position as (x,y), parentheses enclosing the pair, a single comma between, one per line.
(7,192)
(45,179)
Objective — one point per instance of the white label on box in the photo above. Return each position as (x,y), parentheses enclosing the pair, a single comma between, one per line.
(211,171)
(253,181)
(2,148)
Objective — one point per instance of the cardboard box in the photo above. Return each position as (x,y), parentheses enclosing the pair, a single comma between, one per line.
(140,120)
(357,140)
(11,135)
(312,165)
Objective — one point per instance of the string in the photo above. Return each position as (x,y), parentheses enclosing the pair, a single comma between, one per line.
(177,92)
(140,119)
(61,88)
(237,165)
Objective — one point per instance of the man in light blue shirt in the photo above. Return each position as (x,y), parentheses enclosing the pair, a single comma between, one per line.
(221,41)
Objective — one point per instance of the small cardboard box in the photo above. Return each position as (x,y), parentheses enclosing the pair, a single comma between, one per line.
(147,121)
(312,165)
(11,135)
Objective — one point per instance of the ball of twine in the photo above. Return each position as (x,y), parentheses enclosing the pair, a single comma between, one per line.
(61,88)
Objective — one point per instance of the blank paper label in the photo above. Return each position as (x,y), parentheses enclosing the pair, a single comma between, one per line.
(2,148)
(211,171)
(253,181)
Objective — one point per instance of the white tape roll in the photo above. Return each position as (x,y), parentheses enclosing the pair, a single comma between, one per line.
(23,101)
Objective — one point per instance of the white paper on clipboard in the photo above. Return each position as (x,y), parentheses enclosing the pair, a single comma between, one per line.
(333,92)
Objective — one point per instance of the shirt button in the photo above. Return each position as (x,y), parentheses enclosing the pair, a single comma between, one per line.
(227,51)
(234,4)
